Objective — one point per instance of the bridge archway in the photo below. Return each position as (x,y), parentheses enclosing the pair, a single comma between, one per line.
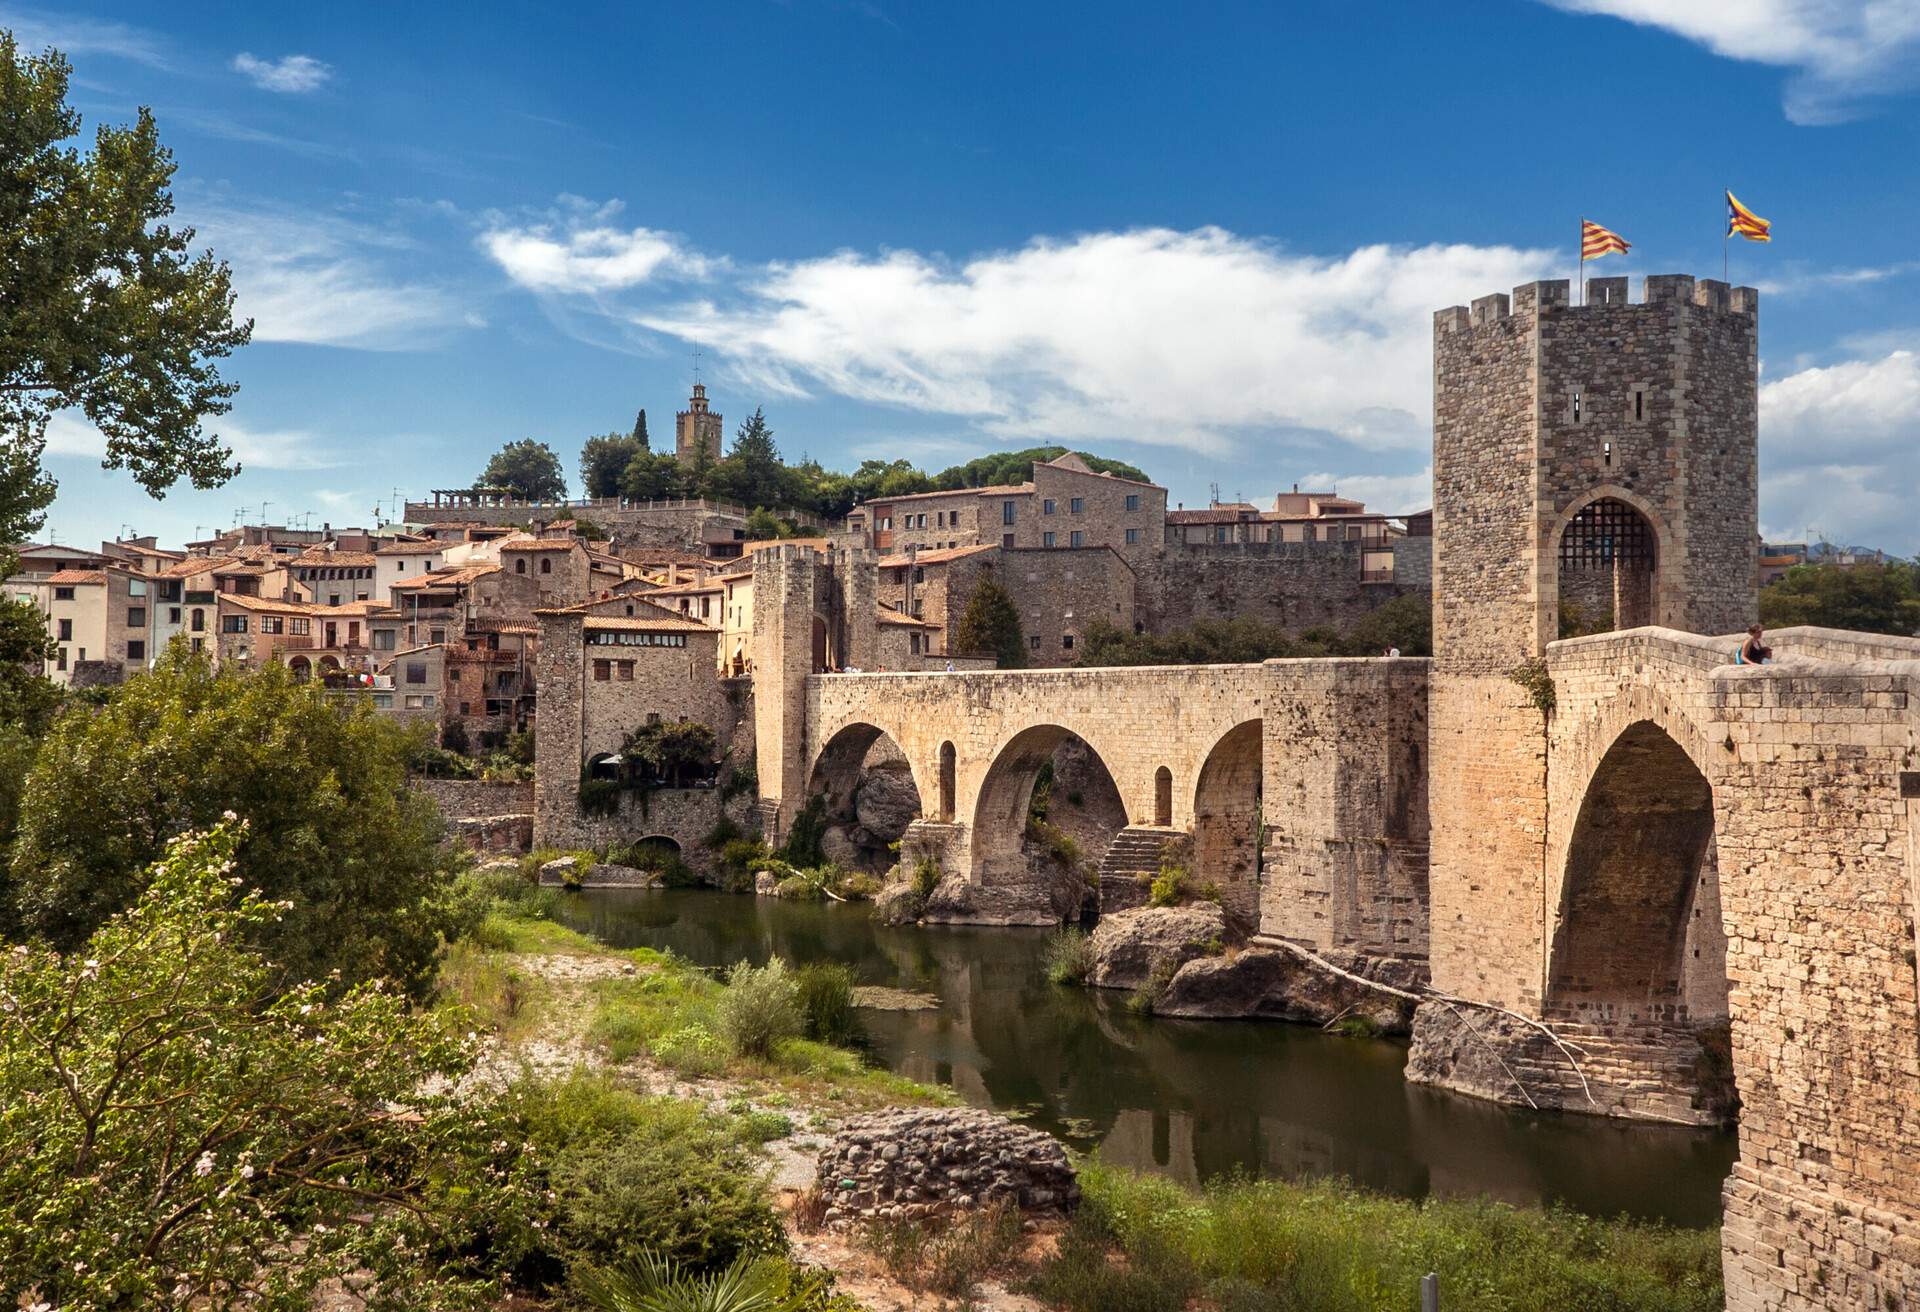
(871,793)
(1089,811)
(1606,557)
(1638,955)
(1227,818)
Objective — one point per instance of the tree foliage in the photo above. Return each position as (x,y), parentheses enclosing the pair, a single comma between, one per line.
(528,469)
(640,430)
(177,1131)
(104,307)
(1017,467)
(990,626)
(332,825)
(1866,598)
(674,752)
(604,461)
(752,474)
(653,476)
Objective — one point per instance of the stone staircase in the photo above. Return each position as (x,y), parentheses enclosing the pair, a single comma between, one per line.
(1131,862)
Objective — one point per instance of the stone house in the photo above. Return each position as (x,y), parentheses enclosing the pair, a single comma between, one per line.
(404,560)
(1058,592)
(254,631)
(329,577)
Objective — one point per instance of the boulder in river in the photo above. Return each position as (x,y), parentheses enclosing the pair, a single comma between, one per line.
(1127,946)
(1274,984)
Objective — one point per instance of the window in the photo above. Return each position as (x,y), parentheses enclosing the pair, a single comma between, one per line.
(1066,642)
(436,635)
(1046,539)
(913,643)
(453,675)
(199,623)
(1076,539)
(1006,540)
(382,639)
(602,671)
(1006,512)
(416,671)
(939,519)
(1034,642)
(1076,504)
(419,701)
(173,615)
(63,594)
(626,671)
(1133,536)
(1306,534)
(520,567)
(271,624)
(66,630)
(136,650)
(1222,534)
(383,701)
(546,564)
(466,708)
(199,644)
(1046,507)
(233,624)
(300,625)
(1133,501)
(333,599)
(136,617)
(60,659)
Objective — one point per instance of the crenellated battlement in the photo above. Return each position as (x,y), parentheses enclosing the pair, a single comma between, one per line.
(1553,296)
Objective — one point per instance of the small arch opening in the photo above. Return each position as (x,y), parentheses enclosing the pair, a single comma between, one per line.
(947,763)
(1163,796)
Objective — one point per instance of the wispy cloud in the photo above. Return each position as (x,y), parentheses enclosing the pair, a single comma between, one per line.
(579,249)
(1841,52)
(288,75)
(322,280)
(70,433)
(1394,494)
(73,35)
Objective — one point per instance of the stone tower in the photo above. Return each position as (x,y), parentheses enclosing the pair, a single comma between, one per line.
(1594,466)
(696,428)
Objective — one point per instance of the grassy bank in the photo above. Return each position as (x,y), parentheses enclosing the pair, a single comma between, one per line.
(1146,1244)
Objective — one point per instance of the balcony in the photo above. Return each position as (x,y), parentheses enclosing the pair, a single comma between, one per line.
(1377,575)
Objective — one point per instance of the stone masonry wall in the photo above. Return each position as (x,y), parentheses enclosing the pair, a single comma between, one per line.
(1294,584)
(470,799)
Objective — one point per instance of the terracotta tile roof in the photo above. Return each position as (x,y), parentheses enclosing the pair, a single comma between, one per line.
(900,619)
(447,578)
(539,544)
(991,490)
(748,548)
(939,557)
(1222,515)
(269,605)
(411,549)
(72,576)
(195,565)
(685,589)
(328,556)
(355,609)
(503,626)
(647,624)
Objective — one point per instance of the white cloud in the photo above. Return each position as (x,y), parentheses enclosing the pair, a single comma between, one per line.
(1393,494)
(1841,51)
(70,433)
(1836,452)
(72,35)
(583,251)
(315,279)
(289,75)
(1195,339)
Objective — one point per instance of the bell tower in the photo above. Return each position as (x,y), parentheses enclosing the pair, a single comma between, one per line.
(696,429)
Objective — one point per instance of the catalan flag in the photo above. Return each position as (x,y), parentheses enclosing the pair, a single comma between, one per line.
(1596,241)
(1743,222)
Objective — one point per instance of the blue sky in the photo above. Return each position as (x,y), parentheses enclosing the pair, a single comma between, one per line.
(1205,238)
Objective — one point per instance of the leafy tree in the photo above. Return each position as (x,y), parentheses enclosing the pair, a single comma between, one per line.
(640,430)
(604,460)
(103,305)
(1867,598)
(1017,467)
(652,476)
(990,626)
(27,698)
(177,1131)
(752,473)
(763,526)
(332,826)
(673,752)
(528,469)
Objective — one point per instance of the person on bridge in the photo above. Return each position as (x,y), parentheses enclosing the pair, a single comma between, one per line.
(1753,651)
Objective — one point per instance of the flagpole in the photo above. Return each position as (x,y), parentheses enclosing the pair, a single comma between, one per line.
(1726,239)
(1581,278)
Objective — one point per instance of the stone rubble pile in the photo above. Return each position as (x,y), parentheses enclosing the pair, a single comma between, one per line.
(914,1162)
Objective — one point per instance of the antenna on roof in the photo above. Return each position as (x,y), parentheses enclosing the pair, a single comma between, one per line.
(696,362)
(1213,490)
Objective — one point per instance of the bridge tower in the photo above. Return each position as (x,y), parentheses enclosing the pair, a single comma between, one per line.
(1595,467)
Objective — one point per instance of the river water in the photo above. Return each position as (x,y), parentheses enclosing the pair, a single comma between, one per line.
(1188,1099)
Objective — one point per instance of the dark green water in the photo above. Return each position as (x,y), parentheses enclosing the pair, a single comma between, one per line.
(1189,1099)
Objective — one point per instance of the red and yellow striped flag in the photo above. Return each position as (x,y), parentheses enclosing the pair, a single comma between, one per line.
(1743,222)
(1596,241)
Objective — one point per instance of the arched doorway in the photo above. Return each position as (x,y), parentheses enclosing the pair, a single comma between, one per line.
(1163,796)
(820,653)
(865,784)
(1639,953)
(302,668)
(605,765)
(1046,813)
(1608,570)
(1227,819)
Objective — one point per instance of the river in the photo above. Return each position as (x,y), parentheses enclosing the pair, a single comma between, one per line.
(1188,1099)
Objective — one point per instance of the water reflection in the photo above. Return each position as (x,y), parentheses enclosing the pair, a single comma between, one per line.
(1190,1099)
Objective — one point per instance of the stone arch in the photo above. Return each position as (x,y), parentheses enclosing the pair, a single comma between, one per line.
(1000,807)
(1637,954)
(302,668)
(329,664)
(664,843)
(1227,817)
(604,765)
(1163,796)
(871,792)
(1606,555)
(948,762)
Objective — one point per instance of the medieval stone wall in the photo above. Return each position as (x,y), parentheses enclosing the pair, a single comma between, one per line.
(1297,585)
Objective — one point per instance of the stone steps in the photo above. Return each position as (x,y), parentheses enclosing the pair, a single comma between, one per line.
(1131,862)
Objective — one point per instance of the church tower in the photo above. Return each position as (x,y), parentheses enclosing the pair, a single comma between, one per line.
(696,429)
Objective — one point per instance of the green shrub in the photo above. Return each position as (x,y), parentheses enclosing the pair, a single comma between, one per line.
(803,837)
(692,1050)
(1069,957)
(742,778)
(745,855)
(765,1127)
(857,885)
(760,1007)
(1169,887)
(478,893)
(799,888)
(724,831)
(1145,998)
(826,1002)
(629,1174)
(949,1258)
(926,876)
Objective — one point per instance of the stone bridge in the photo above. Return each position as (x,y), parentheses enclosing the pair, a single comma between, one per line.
(1702,875)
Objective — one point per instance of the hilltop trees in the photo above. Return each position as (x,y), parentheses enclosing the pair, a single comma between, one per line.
(104,308)
(528,469)
(752,473)
(604,461)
